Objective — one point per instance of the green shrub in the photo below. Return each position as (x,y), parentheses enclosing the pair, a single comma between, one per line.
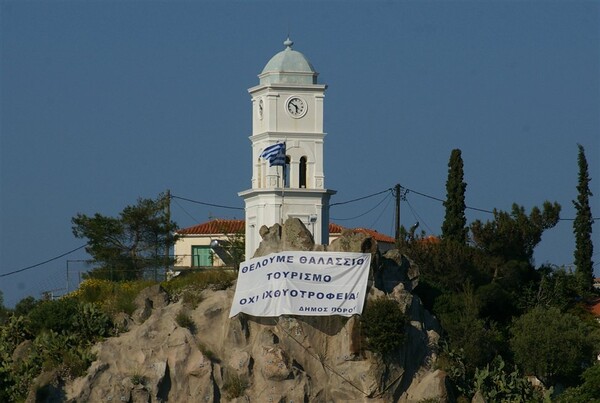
(383,325)
(69,353)
(453,363)
(183,319)
(588,391)
(554,346)
(192,298)
(207,352)
(91,323)
(138,378)
(54,315)
(15,377)
(198,281)
(496,384)
(13,332)
(234,385)
(25,306)
(111,296)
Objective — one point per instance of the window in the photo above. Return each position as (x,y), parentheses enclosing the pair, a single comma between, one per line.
(201,256)
(286,174)
(302,173)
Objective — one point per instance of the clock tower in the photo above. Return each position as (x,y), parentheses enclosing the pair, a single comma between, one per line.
(287,108)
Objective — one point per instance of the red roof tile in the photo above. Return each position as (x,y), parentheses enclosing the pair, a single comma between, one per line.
(335,228)
(595,308)
(378,236)
(217,226)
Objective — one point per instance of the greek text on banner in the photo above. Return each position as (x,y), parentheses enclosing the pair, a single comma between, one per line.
(302,283)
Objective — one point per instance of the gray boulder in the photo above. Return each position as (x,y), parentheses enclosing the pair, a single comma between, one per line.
(289,358)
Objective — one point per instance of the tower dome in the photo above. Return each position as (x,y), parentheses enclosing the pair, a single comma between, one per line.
(288,67)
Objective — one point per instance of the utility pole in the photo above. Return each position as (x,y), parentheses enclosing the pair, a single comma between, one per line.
(168,237)
(397,193)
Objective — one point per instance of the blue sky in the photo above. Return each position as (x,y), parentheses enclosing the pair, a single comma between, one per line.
(103,102)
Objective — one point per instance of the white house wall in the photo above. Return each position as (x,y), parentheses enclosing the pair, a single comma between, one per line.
(183,248)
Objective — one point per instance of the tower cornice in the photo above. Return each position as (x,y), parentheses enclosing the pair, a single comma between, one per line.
(288,87)
(277,135)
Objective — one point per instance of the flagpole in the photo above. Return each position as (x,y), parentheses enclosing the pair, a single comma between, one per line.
(284,169)
(275,154)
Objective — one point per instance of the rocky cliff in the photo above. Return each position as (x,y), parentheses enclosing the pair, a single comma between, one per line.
(285,359)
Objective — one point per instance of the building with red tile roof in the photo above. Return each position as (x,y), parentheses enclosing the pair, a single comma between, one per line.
(196,246)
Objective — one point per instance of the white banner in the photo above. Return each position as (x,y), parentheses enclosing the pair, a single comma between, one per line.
(302,283)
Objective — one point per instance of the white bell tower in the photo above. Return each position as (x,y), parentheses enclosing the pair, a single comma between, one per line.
(287,107)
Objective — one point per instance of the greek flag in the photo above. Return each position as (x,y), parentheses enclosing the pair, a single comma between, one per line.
(275,154)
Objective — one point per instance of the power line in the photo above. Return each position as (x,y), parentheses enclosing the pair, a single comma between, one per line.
(360,198)
(44,262)
(360,215)
(186,212)
(206,204)
(389,199)
(418,217)
(441,200)
(475,208)
(366,212)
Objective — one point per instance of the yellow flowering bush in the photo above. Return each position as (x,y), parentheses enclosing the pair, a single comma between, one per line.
(111,296)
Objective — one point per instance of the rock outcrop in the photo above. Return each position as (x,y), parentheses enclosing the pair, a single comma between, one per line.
(285,359)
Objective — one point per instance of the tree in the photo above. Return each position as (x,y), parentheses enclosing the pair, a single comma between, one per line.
(131,245)
(26,305)
(478,339)
(455,223)
(555,287)
(588,391)
(582,228)
(552,345)
(445,265)
(383,324)
(3,310)
(514,235)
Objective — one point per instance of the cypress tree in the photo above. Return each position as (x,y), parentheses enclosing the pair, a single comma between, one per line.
(455,223)
(582,228)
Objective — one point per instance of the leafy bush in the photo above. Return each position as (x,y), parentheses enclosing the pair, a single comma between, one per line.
(453,363)
(552,345)
(54,315)
(25,306)
(207,352)
(183,319)
(13,332)
(478,340)
(191,298)
(497,385)
(234,385)
(68,352)
(383,325)
(112,297)
(91,323)
(138,378)
(64,331)
(588,391)
(198,281)
(14,377)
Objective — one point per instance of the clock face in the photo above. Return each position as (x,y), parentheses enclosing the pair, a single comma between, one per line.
(296,107)
(261,108)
